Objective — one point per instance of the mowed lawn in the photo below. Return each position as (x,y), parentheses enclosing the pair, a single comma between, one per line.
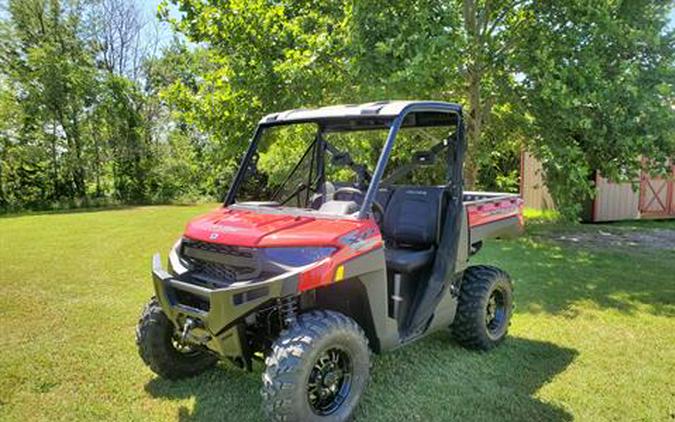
(593,336)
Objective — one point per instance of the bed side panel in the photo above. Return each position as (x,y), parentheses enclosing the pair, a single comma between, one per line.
(495,217)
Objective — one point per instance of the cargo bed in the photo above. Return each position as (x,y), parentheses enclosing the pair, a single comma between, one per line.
(493,215)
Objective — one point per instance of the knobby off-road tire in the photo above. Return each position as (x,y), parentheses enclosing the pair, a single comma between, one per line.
(484,309)
(299,381)
(155,338)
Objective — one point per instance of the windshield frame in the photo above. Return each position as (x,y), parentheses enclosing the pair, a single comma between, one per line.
(454,174)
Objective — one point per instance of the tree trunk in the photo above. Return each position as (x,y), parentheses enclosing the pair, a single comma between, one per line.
(474,128)
(55,163)
(97,163)
(473,84)
(75,165)
(78,165)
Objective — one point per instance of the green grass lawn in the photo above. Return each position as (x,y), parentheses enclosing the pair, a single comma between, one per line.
(593,336)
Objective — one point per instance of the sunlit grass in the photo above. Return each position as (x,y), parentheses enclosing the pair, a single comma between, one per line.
(592,337)
(540,216)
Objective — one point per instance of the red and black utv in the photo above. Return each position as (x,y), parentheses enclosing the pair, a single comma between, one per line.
(346,230)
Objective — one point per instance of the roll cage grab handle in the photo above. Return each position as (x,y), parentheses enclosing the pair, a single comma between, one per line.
(384,156)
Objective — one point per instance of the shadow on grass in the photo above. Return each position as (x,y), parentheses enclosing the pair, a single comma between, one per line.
(550,277)
(431,380)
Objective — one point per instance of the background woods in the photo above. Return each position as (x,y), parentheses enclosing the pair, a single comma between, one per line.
(97,107)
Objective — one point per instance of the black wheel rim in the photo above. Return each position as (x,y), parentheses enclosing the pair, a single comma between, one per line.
(495,312)
(330,381)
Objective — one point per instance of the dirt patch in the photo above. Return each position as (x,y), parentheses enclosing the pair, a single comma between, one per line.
(620,237)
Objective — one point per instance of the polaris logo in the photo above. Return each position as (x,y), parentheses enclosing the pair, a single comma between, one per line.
(416,192)
(214,236)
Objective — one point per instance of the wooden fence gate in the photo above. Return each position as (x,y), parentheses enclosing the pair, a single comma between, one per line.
(657,196)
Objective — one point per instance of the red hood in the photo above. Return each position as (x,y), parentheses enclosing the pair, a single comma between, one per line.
(259,229)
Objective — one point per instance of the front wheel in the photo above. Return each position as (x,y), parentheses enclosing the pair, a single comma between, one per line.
(484,308)
(317,369)
(161,350)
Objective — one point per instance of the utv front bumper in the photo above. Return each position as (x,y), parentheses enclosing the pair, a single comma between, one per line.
(217,315)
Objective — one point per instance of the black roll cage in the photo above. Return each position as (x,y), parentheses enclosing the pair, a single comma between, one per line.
(455,151)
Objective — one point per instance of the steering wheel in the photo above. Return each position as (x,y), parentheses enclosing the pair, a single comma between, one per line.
(378,209)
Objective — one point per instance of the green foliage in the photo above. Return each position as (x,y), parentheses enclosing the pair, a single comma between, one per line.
(176,174)
(281,148)
(584,86)
(124,131)
(262,57)
(406,49)
(497,153)
(73,130)
(600,93)
(51,79)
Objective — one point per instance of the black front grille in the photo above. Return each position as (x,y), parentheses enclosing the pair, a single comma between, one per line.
(217,271)
(220,263)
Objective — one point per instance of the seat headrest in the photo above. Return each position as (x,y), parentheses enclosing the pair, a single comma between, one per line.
(412,215)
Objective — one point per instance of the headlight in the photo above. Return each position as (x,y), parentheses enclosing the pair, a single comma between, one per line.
(296,257)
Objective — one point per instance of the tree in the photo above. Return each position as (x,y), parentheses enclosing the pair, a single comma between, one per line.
(47,63)
(404,49)
(493,31)
(91,109)
(124,129)
(123,40)
(562,79)
(8,122)
(586,86)
(600,90)
(453,51)
(82,125)
(260,57)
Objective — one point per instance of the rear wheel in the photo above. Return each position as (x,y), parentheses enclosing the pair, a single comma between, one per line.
(484,308)
(317,370)
(160,347)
